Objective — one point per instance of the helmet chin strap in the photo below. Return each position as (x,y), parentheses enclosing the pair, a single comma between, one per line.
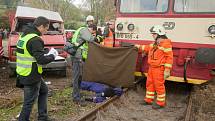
(157,41)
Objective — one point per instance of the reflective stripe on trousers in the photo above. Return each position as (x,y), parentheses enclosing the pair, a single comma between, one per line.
(155,83)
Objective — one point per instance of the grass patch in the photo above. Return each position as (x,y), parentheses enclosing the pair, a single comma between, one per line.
(60,106)
(10,108)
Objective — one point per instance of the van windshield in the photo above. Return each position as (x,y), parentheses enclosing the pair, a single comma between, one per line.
(54,27)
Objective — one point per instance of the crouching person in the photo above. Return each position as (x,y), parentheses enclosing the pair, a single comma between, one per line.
(160,60)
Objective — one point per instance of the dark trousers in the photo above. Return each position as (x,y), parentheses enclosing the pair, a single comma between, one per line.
(77,70)
(31,93)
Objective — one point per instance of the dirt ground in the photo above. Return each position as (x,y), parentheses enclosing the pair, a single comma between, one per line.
(203,108)
(60,104)
(61,108)
(128,108)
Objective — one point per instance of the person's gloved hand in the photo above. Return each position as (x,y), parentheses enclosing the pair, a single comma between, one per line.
(166,73)
(137,46)
(53,52)
(99,38)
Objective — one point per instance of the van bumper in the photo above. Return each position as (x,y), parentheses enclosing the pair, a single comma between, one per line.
(56,65)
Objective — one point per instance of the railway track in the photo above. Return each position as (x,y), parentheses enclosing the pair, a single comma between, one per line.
(127,107)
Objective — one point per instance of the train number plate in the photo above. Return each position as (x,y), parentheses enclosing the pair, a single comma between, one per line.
(127,36)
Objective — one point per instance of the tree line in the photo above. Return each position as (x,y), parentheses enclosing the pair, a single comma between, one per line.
(73,16)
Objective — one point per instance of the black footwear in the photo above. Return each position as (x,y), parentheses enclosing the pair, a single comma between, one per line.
(156,106)
(90,99)
(82,103)
(145,103)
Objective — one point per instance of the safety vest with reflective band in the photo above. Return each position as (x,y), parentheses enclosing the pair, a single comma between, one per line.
(160,55)
(84,47)
(24,60)
(109,41)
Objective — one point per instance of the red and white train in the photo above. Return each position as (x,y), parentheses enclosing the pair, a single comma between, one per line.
(190,24)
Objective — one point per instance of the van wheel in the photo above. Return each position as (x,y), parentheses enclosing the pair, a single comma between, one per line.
(12,72)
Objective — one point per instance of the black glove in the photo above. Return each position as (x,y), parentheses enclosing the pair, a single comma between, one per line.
(99,39)
(70,48)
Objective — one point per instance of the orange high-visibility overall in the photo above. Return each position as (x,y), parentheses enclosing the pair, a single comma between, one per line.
(160,57)
(109,41)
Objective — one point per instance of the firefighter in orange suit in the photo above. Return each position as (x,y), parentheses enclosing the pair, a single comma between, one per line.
(160,60)
(109,34)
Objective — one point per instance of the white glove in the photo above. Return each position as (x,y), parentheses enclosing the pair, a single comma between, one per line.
(53,52)
(166,74)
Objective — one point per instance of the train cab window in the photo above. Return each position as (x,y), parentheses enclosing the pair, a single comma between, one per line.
(194,6)
(143,6)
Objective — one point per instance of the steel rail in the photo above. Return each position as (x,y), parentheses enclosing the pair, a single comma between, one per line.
(91,115)
(189,107)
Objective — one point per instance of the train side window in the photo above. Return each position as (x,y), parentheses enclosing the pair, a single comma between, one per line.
(194,6)
(143,6)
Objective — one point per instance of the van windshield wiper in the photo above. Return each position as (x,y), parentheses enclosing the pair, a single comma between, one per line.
(53,33)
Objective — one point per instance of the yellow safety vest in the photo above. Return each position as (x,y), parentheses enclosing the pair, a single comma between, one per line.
(24,60)
(84,47)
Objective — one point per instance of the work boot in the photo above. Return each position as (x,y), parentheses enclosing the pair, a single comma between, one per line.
(80,102)
(145,103)
(156,106)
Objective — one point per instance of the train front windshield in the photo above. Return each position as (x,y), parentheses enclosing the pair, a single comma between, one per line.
(143,6)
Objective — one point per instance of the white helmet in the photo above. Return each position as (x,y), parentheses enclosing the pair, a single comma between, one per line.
(89,18)
(157,29)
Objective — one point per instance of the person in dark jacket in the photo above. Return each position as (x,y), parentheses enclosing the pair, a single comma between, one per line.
(30,57)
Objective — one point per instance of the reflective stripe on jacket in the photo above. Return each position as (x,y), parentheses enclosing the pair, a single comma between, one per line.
(159,55)
(24,60)
(84,47)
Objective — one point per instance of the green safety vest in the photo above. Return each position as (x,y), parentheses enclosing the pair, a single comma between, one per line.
(84,47)
(24,60)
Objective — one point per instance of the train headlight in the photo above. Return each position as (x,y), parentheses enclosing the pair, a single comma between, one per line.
(130,27)
(119,26)
(211,29)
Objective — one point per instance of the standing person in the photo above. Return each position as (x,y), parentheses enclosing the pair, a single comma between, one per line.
(2,33)
(90,20)
(160,60)
(79,42)
(109,34)
(5,33)
(30,58)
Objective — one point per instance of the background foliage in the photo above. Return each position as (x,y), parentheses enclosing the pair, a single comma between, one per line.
(73,16)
